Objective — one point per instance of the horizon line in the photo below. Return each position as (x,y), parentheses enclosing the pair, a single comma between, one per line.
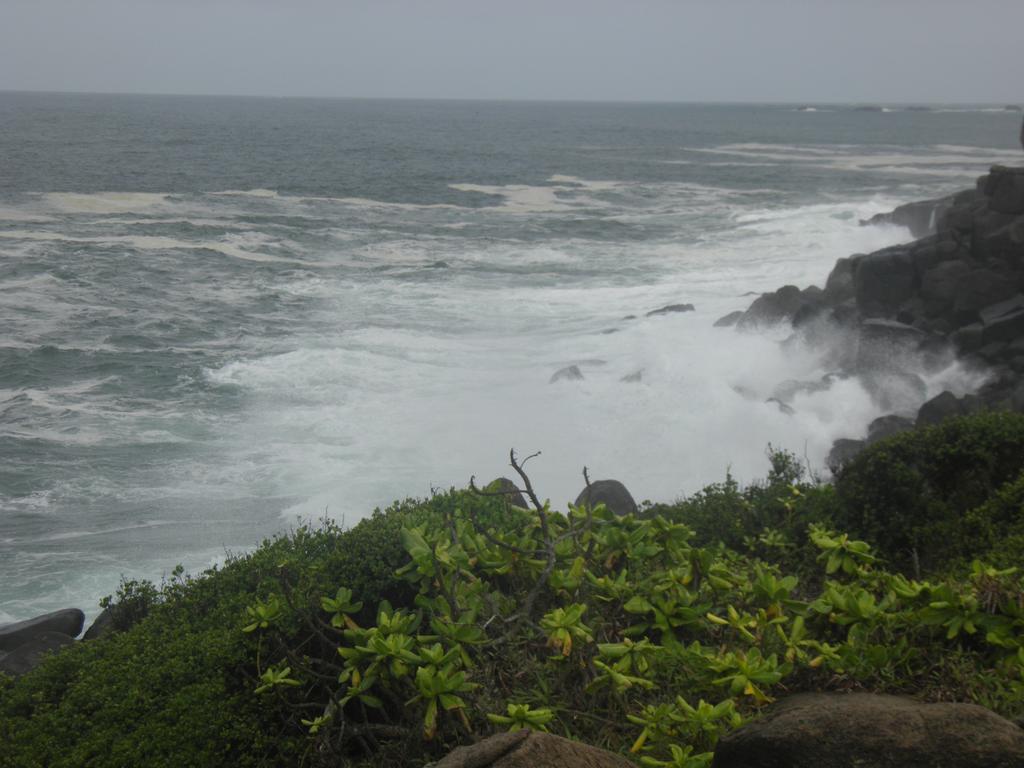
(522,100)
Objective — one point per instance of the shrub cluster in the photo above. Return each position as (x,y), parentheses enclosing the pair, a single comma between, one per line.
(438,620)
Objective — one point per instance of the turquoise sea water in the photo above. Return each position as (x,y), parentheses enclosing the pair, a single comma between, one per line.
(221,315)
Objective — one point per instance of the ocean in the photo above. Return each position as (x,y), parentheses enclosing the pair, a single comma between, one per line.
(220,317)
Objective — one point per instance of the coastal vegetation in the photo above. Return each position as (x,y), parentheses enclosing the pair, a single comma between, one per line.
(438,620)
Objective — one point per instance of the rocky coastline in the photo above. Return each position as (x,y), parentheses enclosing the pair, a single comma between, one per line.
(956,293)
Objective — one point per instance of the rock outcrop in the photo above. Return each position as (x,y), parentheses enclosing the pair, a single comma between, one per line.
(857,730)
(509,490)
(529,749)
(27,656)
(611,493)
(890,315)
(68,621)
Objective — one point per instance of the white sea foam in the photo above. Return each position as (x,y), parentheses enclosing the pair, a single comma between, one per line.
(102,202)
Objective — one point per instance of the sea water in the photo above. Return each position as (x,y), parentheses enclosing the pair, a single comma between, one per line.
(221,316)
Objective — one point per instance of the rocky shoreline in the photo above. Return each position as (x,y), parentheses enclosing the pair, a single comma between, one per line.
(956,293)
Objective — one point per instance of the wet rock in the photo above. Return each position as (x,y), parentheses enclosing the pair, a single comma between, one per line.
(772,308)
(885,345)
(1004,188)
(883,280)
(941,407)
(509,490)
(919,217)
(839,285)
(28,654)
(897,391)
(531,749)
(860,729)
(844,450)
(611,493)
(978,289)
(569,373)
(727,321)
(68,621)
(1003,321)
(887,426)
(939,286)
(102,626)
(633,378)
(671,309)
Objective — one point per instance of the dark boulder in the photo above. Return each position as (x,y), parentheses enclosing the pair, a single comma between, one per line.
(569,373)
(1003,321)
(531,749)
(887,426)
(844,450)
(898,391)
(28,654)
(727,321)
(773,308)
(68,621)
(509,490)
(103,625)
(671,309)
(611,493)
(883,280)
(884,345)
(1004,188)
(633,378)
(939,286)
(862,730)
(839,284)
(941,407)
(978,289)
(919,217)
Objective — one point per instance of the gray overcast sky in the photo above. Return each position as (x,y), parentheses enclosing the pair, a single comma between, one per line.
(687,50)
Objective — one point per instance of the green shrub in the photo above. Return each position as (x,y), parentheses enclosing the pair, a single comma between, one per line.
(910,494)
(176,688)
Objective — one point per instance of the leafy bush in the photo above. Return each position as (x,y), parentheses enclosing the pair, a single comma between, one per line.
(910,494)
(176,688)
(620,631)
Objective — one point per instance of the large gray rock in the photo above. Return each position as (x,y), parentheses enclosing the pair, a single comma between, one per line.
(773,308)
(530,749)
(1004,188)
(978,289)
(68,621)
(939,286)
(887,426)
(862,730)
(844,450)
(509,490)
(941,407)
(839,284)
(27,656)
(1003,321)
(884,280)
(884,345)
(611,493)
(920,217)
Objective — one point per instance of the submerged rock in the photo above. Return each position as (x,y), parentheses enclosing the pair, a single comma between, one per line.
(569,373)
(859,730)
(671,309)
(611,493)
(633,378)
